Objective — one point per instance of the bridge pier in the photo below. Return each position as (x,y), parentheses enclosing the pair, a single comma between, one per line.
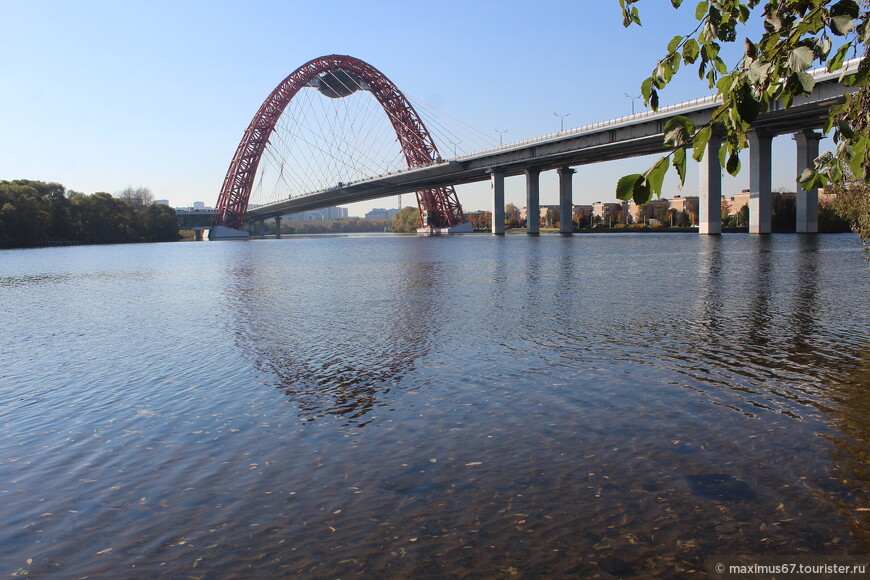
(566,200)
(533,202)
(277,226)
(807,202)
(759,181)
(710,189)
(497,181)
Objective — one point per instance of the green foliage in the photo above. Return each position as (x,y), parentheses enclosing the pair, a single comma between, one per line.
(34,212)
(345,226)
(407,220)
(773,70)
(853,203)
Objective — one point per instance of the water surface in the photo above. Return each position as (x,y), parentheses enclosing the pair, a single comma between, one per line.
(458,407)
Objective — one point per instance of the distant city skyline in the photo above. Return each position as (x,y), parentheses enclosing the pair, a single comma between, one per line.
(153,95)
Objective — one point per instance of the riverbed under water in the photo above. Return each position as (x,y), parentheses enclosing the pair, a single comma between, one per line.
(611,406)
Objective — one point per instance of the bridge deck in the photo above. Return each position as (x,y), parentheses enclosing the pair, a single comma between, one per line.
(630,136)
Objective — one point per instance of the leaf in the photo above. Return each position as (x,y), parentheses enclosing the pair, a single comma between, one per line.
(679,163)
(825,47)
(772,23)
(642,193)
(674,43)
(733,164)
(859,150)
(836,62)
(625,186)
(690,51)
(699,142)
(646,90)
(678,130)
(843,15)
(746,105)
(800,59)
(676,3)
(723,153)
(861,77)
(758,71)
(701,10)
(846,129)
(655,176)
(807,82)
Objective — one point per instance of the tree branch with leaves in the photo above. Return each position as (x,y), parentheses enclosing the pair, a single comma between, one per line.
(773,69)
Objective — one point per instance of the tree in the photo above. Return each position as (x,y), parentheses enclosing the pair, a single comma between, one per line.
(406,220)
(137,196)
(853,203)
(773,69)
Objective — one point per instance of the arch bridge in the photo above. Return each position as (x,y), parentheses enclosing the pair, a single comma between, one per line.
(433,178)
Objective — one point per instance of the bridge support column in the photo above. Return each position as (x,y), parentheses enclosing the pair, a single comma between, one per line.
(566,200)
(197,235)
(277,226)
(759,182)
(533,202)
(807,202)
(497,181)
(710,189)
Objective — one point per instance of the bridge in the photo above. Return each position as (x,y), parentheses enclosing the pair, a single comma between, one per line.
(630,136)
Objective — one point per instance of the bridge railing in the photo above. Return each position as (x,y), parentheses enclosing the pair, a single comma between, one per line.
(819,74)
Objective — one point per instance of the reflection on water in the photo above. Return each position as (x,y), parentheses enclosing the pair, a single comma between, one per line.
(340,345)
(618,406)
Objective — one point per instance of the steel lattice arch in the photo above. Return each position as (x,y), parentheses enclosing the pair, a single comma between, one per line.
(336,76)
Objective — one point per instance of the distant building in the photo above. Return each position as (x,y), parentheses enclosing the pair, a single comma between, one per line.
(582,211)
(160,202)
(647,210)
(198,205)
(381,214)
(732,205)
(326,213)
(608,213)
(687,204)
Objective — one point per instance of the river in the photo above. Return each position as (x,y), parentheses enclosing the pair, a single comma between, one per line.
(433,407)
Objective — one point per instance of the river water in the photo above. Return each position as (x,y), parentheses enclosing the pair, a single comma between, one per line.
(610,406)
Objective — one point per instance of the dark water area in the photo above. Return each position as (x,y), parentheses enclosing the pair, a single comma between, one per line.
(611,406)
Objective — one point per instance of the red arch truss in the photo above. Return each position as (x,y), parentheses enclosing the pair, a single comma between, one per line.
(441,204)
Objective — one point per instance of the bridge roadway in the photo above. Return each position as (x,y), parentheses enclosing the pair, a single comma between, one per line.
(630,136)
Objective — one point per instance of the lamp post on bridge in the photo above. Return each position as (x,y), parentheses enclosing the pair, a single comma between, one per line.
(632,101)
(500,133)
(561,121)
(454,147)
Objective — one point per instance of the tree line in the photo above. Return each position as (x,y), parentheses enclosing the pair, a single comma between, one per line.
(35,213)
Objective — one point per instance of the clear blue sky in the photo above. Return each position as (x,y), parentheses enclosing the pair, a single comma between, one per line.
(101,95)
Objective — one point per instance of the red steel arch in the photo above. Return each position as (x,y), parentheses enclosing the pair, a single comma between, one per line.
(441,204)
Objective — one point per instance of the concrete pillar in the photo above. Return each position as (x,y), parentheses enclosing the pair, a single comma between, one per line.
(497,181)
(533,202)
(277,226)
(566,200)
(710,189)
(807,202)
(759,182)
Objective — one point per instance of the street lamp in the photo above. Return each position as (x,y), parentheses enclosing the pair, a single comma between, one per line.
(561,121)
(500,133)
(632,101)
(454,147)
